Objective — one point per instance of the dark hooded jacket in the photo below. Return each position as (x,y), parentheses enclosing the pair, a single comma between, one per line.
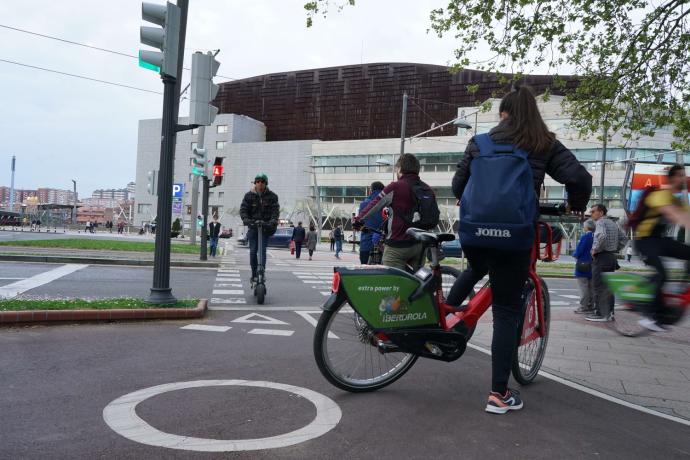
(560,164)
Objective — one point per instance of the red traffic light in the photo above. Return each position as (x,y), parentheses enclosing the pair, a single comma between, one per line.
(217,170)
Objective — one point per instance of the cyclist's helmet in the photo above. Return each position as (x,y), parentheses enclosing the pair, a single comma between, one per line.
(261,176)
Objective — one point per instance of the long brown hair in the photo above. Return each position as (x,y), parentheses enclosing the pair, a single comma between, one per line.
(525,125)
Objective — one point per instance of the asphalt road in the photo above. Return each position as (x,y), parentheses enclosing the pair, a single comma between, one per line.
(58,380)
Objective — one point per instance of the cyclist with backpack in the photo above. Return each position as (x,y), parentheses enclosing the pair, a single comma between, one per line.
(498,182)
(414,205)
(657,208)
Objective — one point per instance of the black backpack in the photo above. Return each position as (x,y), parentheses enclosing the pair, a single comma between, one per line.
(425,213)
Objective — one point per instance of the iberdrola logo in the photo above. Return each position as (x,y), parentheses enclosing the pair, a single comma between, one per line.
(390,305)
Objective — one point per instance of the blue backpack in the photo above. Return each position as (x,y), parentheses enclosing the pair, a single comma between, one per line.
(498,208)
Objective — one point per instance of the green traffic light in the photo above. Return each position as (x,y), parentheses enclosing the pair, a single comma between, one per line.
(147,65)
(197,172)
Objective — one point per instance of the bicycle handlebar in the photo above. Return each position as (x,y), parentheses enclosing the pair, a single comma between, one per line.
(552,209)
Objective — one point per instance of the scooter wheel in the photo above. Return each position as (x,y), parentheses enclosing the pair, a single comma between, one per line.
(260,292)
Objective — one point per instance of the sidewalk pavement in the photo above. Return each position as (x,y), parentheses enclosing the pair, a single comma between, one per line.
(652,371)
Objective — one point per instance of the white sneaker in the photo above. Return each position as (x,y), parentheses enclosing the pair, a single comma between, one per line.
(651,325)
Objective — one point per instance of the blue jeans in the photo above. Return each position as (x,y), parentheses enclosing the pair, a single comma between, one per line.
(253,238)
(338,247)
(214,245)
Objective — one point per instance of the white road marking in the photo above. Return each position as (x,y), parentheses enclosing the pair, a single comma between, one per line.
(203,327)
(326,293)
(558,303)
(567,296)
(228,285)
(263,319)
(271,332)
(307,315)
(596,393)
(227,300)
(312,282)
(227,292)
(12,278)
(14,289)
(120,415)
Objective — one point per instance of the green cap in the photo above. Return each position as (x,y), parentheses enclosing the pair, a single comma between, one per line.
(261,176)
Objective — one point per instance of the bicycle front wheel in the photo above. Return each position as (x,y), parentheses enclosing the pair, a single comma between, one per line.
(347,354)
(531,348)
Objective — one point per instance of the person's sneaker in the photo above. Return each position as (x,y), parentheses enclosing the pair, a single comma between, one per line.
(585,311)
(500,404)
(252,282)
(597,318)
(651,325)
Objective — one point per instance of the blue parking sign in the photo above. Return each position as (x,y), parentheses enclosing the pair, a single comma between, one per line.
(177,190)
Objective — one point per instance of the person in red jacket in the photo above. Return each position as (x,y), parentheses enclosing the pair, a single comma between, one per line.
(401,249)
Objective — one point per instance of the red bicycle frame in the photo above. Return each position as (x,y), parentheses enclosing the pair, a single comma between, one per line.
(532,329)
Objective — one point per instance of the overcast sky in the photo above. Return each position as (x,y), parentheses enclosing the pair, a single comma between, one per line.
(62,128)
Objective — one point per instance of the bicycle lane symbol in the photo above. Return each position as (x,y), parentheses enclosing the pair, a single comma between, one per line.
(120,415)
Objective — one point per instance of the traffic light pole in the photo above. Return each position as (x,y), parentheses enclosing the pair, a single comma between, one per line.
(195,187)
(204,212)
(161,293)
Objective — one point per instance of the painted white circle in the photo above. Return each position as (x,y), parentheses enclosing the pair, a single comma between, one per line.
(121,416)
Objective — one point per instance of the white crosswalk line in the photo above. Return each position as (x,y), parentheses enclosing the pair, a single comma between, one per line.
(228,300)
(14,289)
(227,292)
(271,332)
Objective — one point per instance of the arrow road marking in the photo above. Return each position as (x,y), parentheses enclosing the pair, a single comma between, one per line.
(263,319)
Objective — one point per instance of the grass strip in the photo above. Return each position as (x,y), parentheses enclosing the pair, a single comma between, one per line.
(101,245)
(88,304)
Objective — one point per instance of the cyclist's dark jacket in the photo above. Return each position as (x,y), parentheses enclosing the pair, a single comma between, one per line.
(560,164)
(262,206)
(399,196)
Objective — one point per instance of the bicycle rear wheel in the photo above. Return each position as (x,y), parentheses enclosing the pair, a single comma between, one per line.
(346,352)
(531,348)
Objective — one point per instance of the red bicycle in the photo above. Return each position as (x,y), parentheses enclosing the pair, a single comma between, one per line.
(379,320)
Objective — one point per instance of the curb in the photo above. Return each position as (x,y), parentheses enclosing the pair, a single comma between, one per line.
(50,316)
(100,261)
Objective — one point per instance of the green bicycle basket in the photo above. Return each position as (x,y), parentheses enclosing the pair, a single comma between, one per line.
(630,287)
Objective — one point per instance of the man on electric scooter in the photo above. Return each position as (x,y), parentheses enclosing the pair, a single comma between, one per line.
(658,208)
(259,205)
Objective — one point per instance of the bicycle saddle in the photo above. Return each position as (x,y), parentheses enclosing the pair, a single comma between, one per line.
(429,237)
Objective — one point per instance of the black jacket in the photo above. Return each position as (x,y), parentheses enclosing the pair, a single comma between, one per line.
(560,164)
(214,229)
(263,207)
(298,234)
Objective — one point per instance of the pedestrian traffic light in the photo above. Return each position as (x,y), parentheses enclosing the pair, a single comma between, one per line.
(151,177)
(166,38)
(199,162)
(199,220)
(218,171)
(203,90)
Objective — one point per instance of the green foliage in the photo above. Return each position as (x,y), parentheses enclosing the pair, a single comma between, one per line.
(631,57)
(103,245)
(87,304)
(176,226)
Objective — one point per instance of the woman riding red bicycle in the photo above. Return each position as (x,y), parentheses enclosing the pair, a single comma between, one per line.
(498,182)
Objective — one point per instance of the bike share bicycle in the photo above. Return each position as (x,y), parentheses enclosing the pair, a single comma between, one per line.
(637,292)
(259,286)
(379,320)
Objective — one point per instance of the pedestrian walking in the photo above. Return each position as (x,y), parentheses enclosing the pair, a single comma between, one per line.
(214,234)
(312,240)
(609,239)
(583,268)
(87,229)
(331,238)
(629,253)
(298,236)
(338,238)
(369,239)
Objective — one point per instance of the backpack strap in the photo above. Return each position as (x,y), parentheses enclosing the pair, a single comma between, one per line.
(487,147)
